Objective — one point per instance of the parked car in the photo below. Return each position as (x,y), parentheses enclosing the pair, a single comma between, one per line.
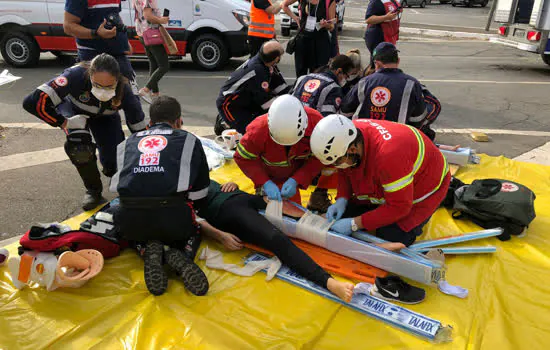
(212,31)
(411,3)
(470,3)
(288,24)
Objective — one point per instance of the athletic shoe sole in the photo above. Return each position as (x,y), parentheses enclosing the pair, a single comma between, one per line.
(374,292)
(156,279)
(193,278)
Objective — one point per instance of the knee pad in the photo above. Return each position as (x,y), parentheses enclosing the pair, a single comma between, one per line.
(80,148)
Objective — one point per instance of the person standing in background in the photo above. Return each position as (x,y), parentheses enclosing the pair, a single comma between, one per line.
(262,23)
(147,16)
(383,18)
(313,46)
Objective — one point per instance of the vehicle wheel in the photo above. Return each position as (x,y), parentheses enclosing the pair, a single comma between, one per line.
(285,31)
(453,4)
(209,52)
(423,4)
(546,58)
(19,49)
(483,4)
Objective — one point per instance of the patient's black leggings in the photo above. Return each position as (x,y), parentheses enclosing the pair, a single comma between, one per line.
(239,215)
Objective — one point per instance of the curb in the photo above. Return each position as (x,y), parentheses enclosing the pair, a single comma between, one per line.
(352,28)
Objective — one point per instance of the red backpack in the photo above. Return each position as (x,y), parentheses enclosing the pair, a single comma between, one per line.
(52,240)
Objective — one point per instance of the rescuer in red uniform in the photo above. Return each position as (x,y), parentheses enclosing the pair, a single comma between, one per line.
(391,177)
(275,151)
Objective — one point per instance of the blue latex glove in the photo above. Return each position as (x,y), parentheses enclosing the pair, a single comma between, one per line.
(342,226)
(336,210)
(272,191)
(289,188)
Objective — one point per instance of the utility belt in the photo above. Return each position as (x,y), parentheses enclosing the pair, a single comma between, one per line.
(154,202)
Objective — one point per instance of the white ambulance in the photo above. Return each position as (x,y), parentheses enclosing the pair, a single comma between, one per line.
(212,31)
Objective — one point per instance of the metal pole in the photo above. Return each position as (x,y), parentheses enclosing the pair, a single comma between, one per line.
(491,14)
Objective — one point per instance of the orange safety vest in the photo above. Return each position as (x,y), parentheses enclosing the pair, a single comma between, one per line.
(262,24)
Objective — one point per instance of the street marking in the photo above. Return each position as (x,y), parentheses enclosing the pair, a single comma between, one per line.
(208,130)
(539,155)
(52,155)
(23,160)
(496,132)
(414,11)
(485,82)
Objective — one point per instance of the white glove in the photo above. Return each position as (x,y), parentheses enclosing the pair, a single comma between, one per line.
(77,122)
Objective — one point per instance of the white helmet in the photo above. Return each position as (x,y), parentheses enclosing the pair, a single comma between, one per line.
(331,138)
(287,120)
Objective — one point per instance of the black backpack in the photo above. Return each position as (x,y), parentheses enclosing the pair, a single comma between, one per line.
(492,203)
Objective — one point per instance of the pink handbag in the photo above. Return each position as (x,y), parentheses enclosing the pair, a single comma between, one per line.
(152,36)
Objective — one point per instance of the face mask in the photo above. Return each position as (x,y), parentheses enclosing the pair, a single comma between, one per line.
(103,95)
(342,82)
(352,77)
(343,166)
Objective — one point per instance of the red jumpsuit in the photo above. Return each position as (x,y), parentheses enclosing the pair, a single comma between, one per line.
(401,170)
(262,159)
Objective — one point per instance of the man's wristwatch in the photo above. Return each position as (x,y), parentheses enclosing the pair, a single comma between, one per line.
(94,34)
(354,225)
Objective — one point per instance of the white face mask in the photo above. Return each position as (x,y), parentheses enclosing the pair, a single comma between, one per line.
(343,166)
(342,82)
(103,95)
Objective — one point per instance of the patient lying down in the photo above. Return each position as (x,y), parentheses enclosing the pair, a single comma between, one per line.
(232,217)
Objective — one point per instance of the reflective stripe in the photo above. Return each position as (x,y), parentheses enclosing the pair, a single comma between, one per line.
(279,164)
(88,108)
(103,6)
(261,31)
(262,25)
(443,174)
(372,199)
(185,163)
(268,103)
(48,90)
(120,151)
(304,156)
(408,179)
(328,108)
(138,126)
(244,153)
(280,88)
(419,118)
(241,81)
(324,94)
(361,97)
(405,102)
(198,194)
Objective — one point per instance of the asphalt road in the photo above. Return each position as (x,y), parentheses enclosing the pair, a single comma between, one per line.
(480,85)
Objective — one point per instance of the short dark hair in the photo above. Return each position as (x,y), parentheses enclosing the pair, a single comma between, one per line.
(387,58)
(164,109)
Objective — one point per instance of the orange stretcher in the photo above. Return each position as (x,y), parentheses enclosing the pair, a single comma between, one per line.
(333,262)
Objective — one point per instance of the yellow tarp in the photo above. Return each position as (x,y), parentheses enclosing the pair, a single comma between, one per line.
(508,306)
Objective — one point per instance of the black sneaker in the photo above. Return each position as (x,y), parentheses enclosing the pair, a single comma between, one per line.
(156,279)
(395,289)
(193,278)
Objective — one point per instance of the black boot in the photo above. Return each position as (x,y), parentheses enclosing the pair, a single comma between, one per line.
(192,276)
(92,199)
